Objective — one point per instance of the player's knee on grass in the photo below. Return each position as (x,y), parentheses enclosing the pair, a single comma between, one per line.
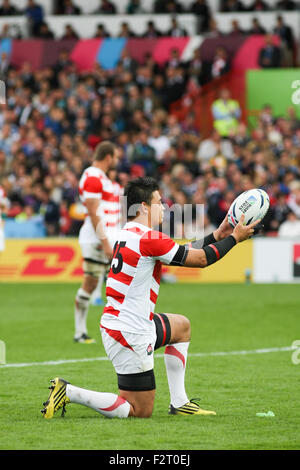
(143,411)
(141,402)
(180,328)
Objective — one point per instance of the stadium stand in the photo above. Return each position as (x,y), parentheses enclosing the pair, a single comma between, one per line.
(152,92)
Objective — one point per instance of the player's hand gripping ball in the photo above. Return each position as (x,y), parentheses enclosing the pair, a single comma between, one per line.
(254,204)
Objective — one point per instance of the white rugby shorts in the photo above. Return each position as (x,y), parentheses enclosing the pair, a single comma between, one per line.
(130,353)
(91,251)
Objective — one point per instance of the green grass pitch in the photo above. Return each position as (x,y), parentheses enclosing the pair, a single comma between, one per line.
(36,323)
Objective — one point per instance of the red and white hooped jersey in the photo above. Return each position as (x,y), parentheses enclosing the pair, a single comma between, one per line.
(133,281)
(95,184)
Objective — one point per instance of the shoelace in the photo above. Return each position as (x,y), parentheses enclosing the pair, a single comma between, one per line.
(194,401)
(63,412)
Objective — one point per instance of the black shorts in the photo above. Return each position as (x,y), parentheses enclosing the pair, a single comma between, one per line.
(145,380)
(163,330)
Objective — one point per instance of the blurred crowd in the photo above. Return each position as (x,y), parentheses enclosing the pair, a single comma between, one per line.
(206,23)
(55,117)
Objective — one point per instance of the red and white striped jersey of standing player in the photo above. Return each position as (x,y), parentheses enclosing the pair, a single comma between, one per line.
(3,199)
(95,184)
(3,203)
(134,278)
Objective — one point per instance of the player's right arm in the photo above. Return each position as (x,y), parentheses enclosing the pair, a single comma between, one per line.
(92,205)
(92,194)
(200,258)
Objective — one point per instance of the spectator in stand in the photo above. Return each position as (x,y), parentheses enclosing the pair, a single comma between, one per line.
(213,30)
(49,209)
(291,227)
(214,144)
(258,5)
(159,6)
(172,6)
(134,7)
(125,31)
(69,33)
(269,55)
(202,11)
(45,32)
(236,29)
(285,33)
(127,62)
(151,31)
(232,5)
(159,142)
(68,8)
(64,62)
(150,101)
(175,84)
(194,67)
(5,33)
(174,60)
(159,88)
(220,64)
(35,15)
(101,31)
(257,28)
(144,155)
(134,101)
(4,65)
(279,212)
(7,9)
(106,8)
(167,6)
(294,197)
(286,5)
(176,31)
(226,113)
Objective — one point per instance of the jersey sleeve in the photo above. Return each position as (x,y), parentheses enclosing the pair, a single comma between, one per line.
(92,188)
(159,246)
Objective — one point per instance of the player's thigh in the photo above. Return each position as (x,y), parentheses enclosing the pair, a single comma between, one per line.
(89,283)
(142,403)
(94,266)
(132,358)
(180,328)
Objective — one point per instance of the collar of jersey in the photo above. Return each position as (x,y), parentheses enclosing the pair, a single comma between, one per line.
(101,171)
(136,224)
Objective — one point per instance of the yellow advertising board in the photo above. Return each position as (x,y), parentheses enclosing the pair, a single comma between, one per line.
(59,259)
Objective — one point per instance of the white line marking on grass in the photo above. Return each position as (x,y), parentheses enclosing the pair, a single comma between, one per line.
(93,359)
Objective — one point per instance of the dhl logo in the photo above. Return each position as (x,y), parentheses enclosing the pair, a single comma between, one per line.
(41,261)
(49,260)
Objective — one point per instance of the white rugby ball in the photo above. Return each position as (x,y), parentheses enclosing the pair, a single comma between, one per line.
(254,204)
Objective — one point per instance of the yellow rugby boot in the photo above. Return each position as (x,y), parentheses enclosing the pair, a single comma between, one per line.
(190,408)
(57,398)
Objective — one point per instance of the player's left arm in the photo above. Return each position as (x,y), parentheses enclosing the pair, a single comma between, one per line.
(212,253)
(223,231)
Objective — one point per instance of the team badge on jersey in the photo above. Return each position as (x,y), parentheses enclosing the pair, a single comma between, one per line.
(149,350)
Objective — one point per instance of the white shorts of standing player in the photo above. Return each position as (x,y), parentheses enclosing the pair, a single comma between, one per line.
(2,239)
(99,264)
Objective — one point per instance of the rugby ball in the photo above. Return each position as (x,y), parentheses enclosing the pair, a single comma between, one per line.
(254,204)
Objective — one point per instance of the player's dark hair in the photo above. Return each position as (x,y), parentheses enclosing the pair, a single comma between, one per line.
(103,149)
(139,190)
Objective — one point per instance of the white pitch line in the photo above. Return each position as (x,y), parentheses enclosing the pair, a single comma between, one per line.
(93,359)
